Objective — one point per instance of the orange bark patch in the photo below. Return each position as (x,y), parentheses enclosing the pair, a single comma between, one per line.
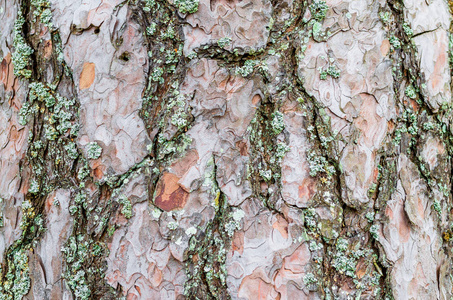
(49,201)
(156,279)
(238,242)
(414,105)
(375,174)
(361,269)
(256,99)
(242,146)
(385,47)
(169,193)
(47,49)
(181,166)
(98,168)
(298,260)
(440,65)
(390,126)
(98,172)
(307,189)
(254,287)
(282,226)
(6,72)
(87,75)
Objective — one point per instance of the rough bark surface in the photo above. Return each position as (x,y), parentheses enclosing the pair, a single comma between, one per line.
(226,149)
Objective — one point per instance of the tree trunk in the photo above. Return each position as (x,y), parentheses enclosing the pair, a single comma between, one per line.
(225,149)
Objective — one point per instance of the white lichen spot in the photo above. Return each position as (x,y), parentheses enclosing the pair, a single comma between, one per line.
(191,231)
(156,213)
(238,215)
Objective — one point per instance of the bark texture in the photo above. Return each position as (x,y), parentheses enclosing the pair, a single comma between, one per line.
(226,149)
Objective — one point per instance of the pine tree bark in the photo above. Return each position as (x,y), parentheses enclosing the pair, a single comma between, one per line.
(225,149)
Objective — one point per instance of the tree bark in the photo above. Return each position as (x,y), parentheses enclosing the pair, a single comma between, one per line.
(225,149)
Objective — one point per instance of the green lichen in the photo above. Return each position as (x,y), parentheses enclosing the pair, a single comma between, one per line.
(319,164)
(187,6)
(76,251)
(40,92)
(235,222)
(71,150)
(374,230)
(157,75)
(343,260)
(437,207)
(179,116)
(224,42)
(34,187)
(370,216)
(42,11)
(385,16)
(173,225)
(277,123)
(395,42)
(282,149)
(408,30)
(22,51)
(247,69)
(191,231)
(317,27)
(331,71)
(17,281)
(266,174)
(310,279)
(151,29)
(318,10)
(93,150)
(126,210)
(410,92)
